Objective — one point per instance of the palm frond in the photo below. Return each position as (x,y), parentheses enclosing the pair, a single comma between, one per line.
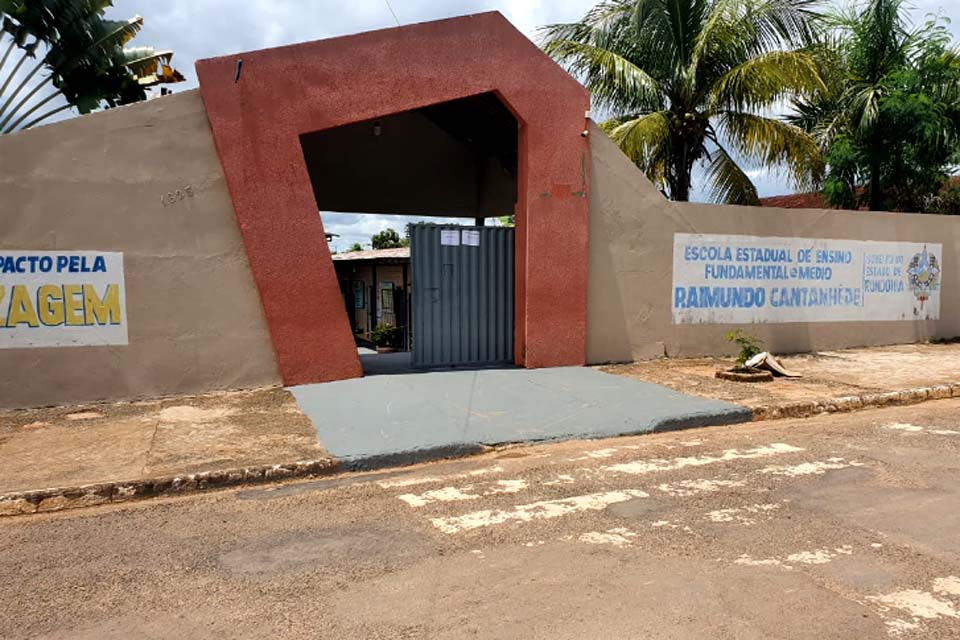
(113,33)
(728,184)
(820,117)
(781,22)
(736,30)
(84,56)
(613,80)
(646,141)
(865,107)
(774,144)
(684,22)
(144,60)
(653,21)
(769,77)
(609,125)
(609,17)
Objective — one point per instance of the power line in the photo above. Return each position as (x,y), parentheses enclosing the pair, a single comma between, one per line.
(392,12)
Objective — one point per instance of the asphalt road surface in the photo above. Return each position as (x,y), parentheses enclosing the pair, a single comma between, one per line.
(845,526)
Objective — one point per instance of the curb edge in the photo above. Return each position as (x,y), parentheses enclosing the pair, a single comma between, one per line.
(848,404)
(62,498)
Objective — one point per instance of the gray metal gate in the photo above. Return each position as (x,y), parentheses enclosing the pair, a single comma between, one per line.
(462,297)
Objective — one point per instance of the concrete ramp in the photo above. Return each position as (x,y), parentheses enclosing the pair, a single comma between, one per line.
(411,417)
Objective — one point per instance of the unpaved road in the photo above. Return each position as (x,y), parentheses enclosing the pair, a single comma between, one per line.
(845,526)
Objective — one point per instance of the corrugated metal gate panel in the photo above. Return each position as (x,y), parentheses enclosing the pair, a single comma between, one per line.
(462,296)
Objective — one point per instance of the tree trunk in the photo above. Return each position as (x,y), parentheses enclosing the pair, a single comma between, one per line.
(682,193)
(680,184)
(875,195)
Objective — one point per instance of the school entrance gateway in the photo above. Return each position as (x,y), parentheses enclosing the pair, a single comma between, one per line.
(449,118)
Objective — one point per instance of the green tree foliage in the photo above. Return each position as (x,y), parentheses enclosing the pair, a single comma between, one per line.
(356,246)
(387,239)
(691,82)
(66,52)
(888,117)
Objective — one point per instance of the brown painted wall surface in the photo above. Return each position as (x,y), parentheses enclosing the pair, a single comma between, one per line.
(631,267)
(95,183)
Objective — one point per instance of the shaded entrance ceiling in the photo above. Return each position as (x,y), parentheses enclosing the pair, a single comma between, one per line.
(456,158)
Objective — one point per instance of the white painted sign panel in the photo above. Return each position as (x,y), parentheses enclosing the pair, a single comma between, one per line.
(748,279)
(61,299)
(471,237)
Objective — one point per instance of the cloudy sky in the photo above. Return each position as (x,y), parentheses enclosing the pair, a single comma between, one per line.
(197,29)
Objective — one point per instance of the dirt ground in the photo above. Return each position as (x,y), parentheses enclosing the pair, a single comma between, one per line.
(840,526)
(68,446)
(827,374)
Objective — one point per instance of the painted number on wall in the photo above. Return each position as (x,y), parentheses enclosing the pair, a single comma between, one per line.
(177,195)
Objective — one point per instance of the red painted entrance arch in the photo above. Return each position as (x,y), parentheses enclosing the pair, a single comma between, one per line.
(288,91)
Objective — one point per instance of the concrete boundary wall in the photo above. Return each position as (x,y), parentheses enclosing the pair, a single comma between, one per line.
(146,181)
(98,183)
(631,267)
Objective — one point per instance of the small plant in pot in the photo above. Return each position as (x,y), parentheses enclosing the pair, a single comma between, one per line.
(749,347)
(385,337)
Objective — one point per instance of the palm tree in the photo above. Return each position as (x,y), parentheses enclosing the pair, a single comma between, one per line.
(869,54)
(84,57)
(693,81)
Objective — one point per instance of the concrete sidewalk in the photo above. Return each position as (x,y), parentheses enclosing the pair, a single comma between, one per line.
(405,417)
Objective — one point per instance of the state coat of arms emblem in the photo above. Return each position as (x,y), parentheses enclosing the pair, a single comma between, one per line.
(923,274)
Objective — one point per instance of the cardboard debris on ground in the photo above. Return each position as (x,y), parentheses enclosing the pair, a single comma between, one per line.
(768,362)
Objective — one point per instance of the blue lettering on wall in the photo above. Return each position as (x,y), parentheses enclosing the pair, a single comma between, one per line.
(719,297)
(45,264)
(815,297)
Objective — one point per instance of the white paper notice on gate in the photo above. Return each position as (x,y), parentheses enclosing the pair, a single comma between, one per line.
(450,237)
(61,299)
(748,279)
(471,237)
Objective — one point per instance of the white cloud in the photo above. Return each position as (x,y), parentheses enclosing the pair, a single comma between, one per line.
(210,28)
(360,227)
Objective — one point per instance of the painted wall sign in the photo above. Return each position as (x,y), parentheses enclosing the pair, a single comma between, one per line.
(61,299)
(749,279)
